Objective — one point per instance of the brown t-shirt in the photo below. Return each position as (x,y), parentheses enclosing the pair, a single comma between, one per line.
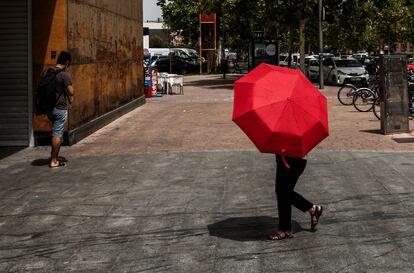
(63,80)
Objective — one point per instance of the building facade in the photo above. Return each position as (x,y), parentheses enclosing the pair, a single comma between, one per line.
(105,40)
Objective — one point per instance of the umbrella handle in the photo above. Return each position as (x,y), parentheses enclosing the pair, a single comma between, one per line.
(284,161)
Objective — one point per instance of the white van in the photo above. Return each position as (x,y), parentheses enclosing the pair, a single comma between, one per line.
(284,59)
(159,51)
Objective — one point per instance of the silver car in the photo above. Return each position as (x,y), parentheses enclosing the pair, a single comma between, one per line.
(338,71)
(312,68)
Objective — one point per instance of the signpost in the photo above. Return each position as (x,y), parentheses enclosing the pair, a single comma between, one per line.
(264,49)
(208,37)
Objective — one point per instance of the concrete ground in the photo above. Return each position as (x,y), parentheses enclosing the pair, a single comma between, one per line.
(175,186)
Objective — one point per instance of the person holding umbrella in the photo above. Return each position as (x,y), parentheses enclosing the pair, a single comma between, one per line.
(283,113)
(288,172)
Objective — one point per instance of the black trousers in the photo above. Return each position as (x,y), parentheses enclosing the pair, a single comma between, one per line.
(286,179)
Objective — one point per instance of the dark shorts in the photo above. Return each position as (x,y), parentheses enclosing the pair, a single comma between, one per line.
(58,117)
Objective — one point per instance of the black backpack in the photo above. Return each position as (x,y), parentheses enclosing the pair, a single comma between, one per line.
(46,95)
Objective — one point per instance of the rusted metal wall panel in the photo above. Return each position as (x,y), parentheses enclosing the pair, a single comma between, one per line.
(105,40)
(50,32)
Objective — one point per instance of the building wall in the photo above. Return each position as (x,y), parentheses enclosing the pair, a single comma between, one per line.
(404,48)
(49,28)
(105,39)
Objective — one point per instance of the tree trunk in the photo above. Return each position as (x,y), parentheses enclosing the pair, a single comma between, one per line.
(290,49)
(302,26)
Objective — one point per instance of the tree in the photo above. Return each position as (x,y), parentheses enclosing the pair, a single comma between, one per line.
(351,24)
(181,16)
(156,41)
(389,20)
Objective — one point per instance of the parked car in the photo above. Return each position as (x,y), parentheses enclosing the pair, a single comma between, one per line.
(180,64)
(338,71)
(284,59)
(361,57)
(410,65)
(192,53)
(312,68)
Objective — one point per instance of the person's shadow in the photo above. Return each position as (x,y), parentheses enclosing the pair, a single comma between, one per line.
(46,161)
(247,228)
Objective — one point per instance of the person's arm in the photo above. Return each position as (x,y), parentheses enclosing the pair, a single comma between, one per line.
(70,89)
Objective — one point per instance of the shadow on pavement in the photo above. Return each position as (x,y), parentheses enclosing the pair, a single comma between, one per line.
(218,83)
(247,228)
(404,140)
(45,161)
(373,131)
(8,151)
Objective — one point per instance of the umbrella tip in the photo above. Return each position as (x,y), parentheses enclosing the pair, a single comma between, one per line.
(289,98)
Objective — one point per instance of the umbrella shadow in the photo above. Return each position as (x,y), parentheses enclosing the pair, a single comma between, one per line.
(247,228)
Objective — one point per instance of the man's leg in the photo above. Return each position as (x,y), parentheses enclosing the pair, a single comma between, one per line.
(59,121)
(54,154)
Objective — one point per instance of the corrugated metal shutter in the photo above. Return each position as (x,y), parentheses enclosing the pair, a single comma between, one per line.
(14,73)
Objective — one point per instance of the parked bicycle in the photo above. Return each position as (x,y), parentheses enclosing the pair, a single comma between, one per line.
(377,108)
(410,79)
(365,98)
(346,93)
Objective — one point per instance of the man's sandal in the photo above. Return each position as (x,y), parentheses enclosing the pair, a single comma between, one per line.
(315,216)
(59,164)
(280,235)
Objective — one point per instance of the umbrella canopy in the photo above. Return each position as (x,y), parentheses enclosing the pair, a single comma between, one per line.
(280,110)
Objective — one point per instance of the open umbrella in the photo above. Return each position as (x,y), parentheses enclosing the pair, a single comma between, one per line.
(280,110)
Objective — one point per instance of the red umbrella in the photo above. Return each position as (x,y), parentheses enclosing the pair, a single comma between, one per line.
(280,110)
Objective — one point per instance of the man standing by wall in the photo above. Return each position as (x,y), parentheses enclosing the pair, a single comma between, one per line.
(59,114)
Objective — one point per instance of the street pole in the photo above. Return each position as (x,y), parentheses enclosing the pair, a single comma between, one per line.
(169,49)
(321,84)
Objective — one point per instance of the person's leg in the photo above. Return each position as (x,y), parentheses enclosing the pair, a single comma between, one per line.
(286,179)
(302,203)
(298,201)
(59,121)
(54,154)
(283,193)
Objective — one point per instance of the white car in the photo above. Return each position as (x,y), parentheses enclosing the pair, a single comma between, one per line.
(339,71)
(312,68)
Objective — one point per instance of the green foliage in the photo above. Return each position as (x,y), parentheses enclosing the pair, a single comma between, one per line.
(351,24)
(156,41)
(181,16)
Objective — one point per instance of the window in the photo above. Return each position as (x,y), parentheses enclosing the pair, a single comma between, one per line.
(348,63)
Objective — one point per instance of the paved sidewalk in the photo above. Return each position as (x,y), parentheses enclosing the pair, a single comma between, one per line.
(174,186)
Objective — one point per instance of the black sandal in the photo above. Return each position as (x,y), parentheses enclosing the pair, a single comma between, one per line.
(279,236)
(315,216)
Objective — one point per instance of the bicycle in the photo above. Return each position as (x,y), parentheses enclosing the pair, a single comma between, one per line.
(377,107)
(365,98)
(346,94)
